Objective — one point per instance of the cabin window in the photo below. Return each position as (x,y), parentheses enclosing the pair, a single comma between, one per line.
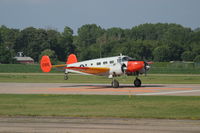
(85,64)
(105,62)
(91,64)
(98,63)
(111,62)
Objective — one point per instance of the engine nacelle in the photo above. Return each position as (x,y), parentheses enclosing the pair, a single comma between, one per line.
(116,70)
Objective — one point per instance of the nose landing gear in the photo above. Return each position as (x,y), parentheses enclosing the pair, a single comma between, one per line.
(115,83)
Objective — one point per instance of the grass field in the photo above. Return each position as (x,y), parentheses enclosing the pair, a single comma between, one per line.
(156,68)
(59,78)
(165,107)
(168,107)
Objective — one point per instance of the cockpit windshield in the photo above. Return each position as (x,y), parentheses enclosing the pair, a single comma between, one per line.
(126,58)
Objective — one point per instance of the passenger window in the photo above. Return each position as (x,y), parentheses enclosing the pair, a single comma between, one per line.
(85,64)
(91,64)
(98,63)
(111,62)
(105,62)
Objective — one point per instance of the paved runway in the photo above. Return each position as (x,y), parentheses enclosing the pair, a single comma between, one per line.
(95,125)
(100,89)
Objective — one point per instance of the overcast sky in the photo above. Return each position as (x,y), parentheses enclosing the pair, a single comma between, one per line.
(106,13)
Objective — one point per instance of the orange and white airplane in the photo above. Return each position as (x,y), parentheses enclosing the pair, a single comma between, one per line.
(110,67)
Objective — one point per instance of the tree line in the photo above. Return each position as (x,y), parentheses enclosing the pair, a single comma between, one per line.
(157,42)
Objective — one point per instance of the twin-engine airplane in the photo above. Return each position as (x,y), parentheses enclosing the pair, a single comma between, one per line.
(110,67)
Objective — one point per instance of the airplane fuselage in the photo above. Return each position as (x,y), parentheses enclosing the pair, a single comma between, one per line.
(115,65)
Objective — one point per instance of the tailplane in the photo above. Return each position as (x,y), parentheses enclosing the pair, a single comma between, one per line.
(71,59)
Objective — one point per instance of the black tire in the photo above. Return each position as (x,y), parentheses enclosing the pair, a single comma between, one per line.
(137,82)
(115,84)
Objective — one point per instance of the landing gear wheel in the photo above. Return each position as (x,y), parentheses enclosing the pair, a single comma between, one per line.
(137,82)
(65,77)
(115,83)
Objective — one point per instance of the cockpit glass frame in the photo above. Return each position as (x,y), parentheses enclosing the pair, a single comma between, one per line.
(127,58)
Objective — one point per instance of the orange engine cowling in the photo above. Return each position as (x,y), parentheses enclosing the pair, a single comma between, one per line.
(45,64)
(133,66)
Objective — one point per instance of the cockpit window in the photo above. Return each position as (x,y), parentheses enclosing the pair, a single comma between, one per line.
(126,58)
(119,60)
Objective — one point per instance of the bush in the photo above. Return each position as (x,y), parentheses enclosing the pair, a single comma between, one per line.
(187,56)
(197,59)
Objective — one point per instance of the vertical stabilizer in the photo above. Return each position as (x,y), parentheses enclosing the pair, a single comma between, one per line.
(45,64)
(71,59)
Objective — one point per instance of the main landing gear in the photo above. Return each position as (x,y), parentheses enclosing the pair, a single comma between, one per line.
(137,83)
(66,76)
(115,83)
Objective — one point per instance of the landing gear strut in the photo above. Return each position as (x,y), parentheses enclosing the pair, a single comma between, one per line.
(66,76)
(137,82)
(115,83)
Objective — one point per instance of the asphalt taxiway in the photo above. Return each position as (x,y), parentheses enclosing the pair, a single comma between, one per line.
(95,125)
(100,89)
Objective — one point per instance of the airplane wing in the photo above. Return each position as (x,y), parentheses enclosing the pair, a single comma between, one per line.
(90,70)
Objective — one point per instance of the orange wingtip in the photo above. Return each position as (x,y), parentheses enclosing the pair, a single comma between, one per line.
(71,59)
(45,64)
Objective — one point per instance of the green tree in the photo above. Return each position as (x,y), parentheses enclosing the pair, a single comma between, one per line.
(88,34)
(32,41)
(51,55)
(114,34)
(140,50)
(161,53)
(9,36)
(6,55)
(197,59)
(176,49)
(187,56)
(66,45)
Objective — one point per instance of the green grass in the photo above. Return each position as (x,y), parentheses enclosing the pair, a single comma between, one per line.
(21,68)
(59,78)
(166,107)
(156,68)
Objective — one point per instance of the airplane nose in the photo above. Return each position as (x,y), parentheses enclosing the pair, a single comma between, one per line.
(134,66)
